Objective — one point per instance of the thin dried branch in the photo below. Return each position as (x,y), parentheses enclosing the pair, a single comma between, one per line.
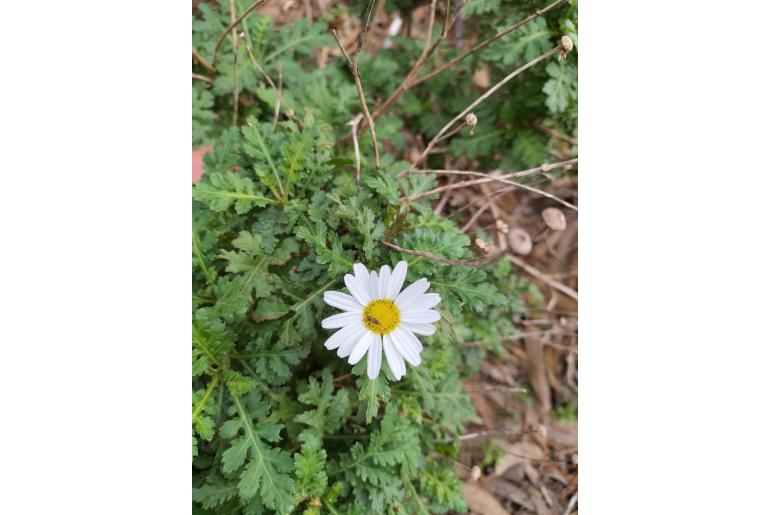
(486,43)
(235,63)
(203,62)
(559,48)
(529,334)
(495,432)
(277,110)
(475,216)
(486,178)
(546,167)
(531,270)
(357,78)
(259,68)
(555,134)
(233,23)
(477,261)
(370,10)
(353,128)
(424,54)
(202,77)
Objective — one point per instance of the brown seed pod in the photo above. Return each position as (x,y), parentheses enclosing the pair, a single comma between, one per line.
(520,241)
(554,219)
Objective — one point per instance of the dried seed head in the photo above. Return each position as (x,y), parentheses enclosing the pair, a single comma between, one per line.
(520,241)
(554,219)
(566,46)
(475,473)
(471,120)
(487,247)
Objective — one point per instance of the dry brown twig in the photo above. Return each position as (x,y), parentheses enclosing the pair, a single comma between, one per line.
(202,77)
(353,128)
(353,67)
(531,270)
(277,109)
(203,62)
(477,261)
(233,23)
(486,43)
(487,177)
(564,46)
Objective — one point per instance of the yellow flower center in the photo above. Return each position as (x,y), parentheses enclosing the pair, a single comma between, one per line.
(381,316)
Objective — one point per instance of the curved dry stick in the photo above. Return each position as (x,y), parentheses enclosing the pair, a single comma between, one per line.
(489,92)
(486,43)
(477,261)
(486,178)
(360,89)
(230,27)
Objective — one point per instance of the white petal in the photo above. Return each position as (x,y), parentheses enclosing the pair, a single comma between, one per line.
(362,274)
(412,292)
(374,285)
(395,361)
(346,347)
(420,316)
(382,292)
(397,279)
(341,300)
(409,336)
(340,320)
(405,348)
(425,301)
(425,329)
(361,347)
(374,358)
(359,290)
(360,271)
(341,336)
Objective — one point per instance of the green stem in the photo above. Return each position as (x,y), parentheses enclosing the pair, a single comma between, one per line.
(201,261)
(206,395)
(272,164)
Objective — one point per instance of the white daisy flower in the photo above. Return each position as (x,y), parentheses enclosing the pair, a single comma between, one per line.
(378,316)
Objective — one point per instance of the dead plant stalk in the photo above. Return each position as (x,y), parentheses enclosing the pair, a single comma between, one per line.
(353,66)
(489,92)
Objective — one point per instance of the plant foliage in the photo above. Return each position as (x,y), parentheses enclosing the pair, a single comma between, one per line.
(279,423)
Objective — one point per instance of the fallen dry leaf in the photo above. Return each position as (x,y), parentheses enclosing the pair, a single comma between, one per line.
(481,501)
(507,490)
(515,453)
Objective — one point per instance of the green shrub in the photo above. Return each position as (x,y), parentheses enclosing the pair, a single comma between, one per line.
(280,423)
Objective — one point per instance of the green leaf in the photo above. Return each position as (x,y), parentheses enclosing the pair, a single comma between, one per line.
(267,468)
(211,342)
(220,191)
(310,472)
(214,493)
(270,309)
(330,409)
(561,88)
(371,391)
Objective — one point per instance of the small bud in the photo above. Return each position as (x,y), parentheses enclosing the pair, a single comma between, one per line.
(520,241)
(554,219)
(566,46)
(471,120)
(475,473)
